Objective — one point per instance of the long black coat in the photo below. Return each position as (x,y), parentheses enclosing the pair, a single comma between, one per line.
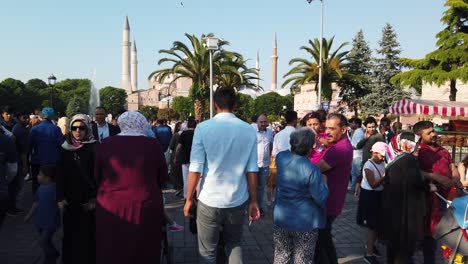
(76,185)
(403,203)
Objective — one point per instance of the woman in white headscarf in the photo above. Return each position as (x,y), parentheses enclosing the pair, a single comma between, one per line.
(76,192)
(130,169)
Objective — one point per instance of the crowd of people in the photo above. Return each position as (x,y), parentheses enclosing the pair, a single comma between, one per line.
(102,182)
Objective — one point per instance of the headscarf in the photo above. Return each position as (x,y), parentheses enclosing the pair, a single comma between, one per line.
(133,123)
(405,142)
(71,143)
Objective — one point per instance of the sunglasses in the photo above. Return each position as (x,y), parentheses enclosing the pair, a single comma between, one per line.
(81,128)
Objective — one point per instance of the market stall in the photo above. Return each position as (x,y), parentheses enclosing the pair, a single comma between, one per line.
(454,134)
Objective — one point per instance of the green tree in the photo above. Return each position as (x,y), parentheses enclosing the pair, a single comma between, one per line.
(357,83)
(65,90)
(307,71)
(272,104)
(38,92)
(384,93)
(233,72)
(76,105)
(113,99)
(192,61)
(168,113)
(150,112)
(183,106)
(12,91)
(449,62)
(244,106)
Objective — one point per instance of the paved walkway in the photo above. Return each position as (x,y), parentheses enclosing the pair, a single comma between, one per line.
(18,240)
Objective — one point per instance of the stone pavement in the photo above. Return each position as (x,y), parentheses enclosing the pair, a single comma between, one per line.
(18,240)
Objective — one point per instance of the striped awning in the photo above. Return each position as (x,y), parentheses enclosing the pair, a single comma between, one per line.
(429,107)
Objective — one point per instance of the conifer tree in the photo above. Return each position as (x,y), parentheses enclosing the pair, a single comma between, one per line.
(449,62)
(75,106)
(356,84)
(384,93)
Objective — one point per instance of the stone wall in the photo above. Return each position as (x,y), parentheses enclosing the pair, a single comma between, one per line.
(434,92)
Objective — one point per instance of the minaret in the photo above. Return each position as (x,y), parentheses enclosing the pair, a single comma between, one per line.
(257,67)
(133,67)
(274,66)
(125,83)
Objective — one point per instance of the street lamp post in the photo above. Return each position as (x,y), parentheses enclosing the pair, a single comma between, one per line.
(319,96)
(211,44)
(51,80)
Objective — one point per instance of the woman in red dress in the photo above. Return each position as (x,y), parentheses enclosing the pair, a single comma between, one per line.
(130,168)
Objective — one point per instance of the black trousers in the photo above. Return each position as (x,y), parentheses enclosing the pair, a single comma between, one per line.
(398,256)
(325,251)
(3,208)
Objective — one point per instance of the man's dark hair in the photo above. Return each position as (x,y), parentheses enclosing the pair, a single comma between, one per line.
(370,119)
(191,123)
(343,121)
(421,125)
(310,115)
(49,171)
(22,113)
(385,121)
(7,109)
(160,121)
(322,115)
(102,108)
(225,98)
(290,116)
(254,118)
(356,120)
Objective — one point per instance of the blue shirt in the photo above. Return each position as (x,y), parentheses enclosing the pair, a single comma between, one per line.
(45,140)
(21,138)
(301,194)
(163,134)
(47,214)
(224,149)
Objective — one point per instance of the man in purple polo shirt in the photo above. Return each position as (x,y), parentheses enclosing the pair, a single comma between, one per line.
(336,166)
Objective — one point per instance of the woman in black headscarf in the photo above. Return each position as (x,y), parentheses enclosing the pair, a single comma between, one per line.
(76,193)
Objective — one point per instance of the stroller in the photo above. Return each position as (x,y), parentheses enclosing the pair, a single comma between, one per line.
(451,231)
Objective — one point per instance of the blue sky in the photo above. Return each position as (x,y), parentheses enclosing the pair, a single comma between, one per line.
(72,39)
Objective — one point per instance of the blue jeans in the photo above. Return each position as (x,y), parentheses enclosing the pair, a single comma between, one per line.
(355,171)
(261,187)
(209,222)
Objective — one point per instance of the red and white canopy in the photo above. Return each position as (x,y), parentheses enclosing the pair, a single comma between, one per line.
(429,107)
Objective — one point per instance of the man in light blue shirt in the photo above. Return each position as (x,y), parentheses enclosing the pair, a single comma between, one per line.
(224,158)
(357,134)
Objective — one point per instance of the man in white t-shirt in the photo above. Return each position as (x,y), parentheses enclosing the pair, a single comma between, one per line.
(281,140)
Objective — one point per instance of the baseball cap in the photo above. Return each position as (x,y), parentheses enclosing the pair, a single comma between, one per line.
(48,112)
(380,147)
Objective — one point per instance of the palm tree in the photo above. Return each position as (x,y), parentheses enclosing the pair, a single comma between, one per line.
(234,73)
(307,71)
(193,62)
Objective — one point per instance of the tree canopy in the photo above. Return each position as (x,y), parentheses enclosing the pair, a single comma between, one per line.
(357,83)
(449,62)
(113,99)
(307,71)
(192,61)
(383,92)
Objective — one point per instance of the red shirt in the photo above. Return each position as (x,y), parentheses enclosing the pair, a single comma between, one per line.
(437,160)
